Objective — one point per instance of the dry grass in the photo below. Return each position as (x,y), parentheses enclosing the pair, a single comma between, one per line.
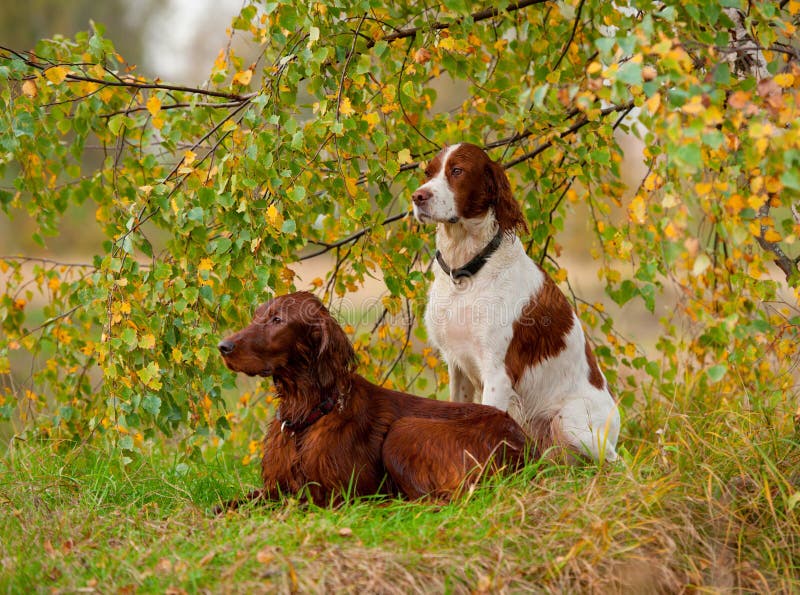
(708,504)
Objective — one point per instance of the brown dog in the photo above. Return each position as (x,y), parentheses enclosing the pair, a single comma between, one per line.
(337,433)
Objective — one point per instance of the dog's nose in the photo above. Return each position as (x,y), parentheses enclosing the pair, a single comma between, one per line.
(225,347)
(421,196)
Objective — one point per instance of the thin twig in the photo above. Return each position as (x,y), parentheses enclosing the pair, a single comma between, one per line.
(327,247)
(48,261)
(572,35)
(571,130)
(480,15)
(31,58)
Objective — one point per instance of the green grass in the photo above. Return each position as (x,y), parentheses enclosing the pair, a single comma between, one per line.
(709,504)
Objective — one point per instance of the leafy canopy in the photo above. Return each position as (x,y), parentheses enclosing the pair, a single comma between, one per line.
(206,198)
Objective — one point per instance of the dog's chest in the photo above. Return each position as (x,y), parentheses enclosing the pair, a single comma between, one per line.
(459,319)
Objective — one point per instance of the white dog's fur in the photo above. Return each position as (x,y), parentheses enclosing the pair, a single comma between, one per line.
(471,321)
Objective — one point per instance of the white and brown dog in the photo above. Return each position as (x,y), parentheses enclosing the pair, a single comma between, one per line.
(504,328)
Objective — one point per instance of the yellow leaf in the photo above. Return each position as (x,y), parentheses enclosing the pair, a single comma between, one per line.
(153,105)
(29,88)
(220,63)
(754,270)
(274,218)
(694,107)
(345,107)
(177,355)
(735,203)
(671,231)
(773,185)
(404,157)
(448,43)
(206,264)
(756,201)
(702,188)
(56,74)
(653,103)
(560,275)
(350,184)
(372,119)
(243,77)
(636,209)
(785,79)
(188,157)
(147,342)
(669,200)
(772,236)
(125,308)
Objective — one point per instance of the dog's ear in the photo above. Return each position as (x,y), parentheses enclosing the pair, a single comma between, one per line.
(506,210)
(336,357)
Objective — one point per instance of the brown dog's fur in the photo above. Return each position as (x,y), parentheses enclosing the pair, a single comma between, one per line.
(374,440)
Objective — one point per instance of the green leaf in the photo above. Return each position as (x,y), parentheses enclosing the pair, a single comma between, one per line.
(151,404)
(716,373)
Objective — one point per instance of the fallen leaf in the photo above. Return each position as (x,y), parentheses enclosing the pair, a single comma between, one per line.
(265,556)
(48,547)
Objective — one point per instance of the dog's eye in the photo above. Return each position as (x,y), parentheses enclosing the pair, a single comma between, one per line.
(276,320)
(456,171)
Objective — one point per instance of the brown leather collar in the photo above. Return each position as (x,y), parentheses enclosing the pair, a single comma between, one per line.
(295,427)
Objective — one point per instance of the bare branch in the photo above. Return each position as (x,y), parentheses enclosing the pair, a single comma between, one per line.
(480,15)
(625,107)
(782,261)
(327,247)
(572,35)
(34,61)
(48,261)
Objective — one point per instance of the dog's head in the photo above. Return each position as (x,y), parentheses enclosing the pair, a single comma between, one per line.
(461,182)
(291,335)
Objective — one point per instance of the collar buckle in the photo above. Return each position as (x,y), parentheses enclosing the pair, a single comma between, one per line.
(473,266)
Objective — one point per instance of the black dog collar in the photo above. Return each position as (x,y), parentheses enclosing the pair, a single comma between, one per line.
(474,265)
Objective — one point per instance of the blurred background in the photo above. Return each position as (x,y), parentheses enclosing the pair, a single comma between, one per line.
(174,40)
